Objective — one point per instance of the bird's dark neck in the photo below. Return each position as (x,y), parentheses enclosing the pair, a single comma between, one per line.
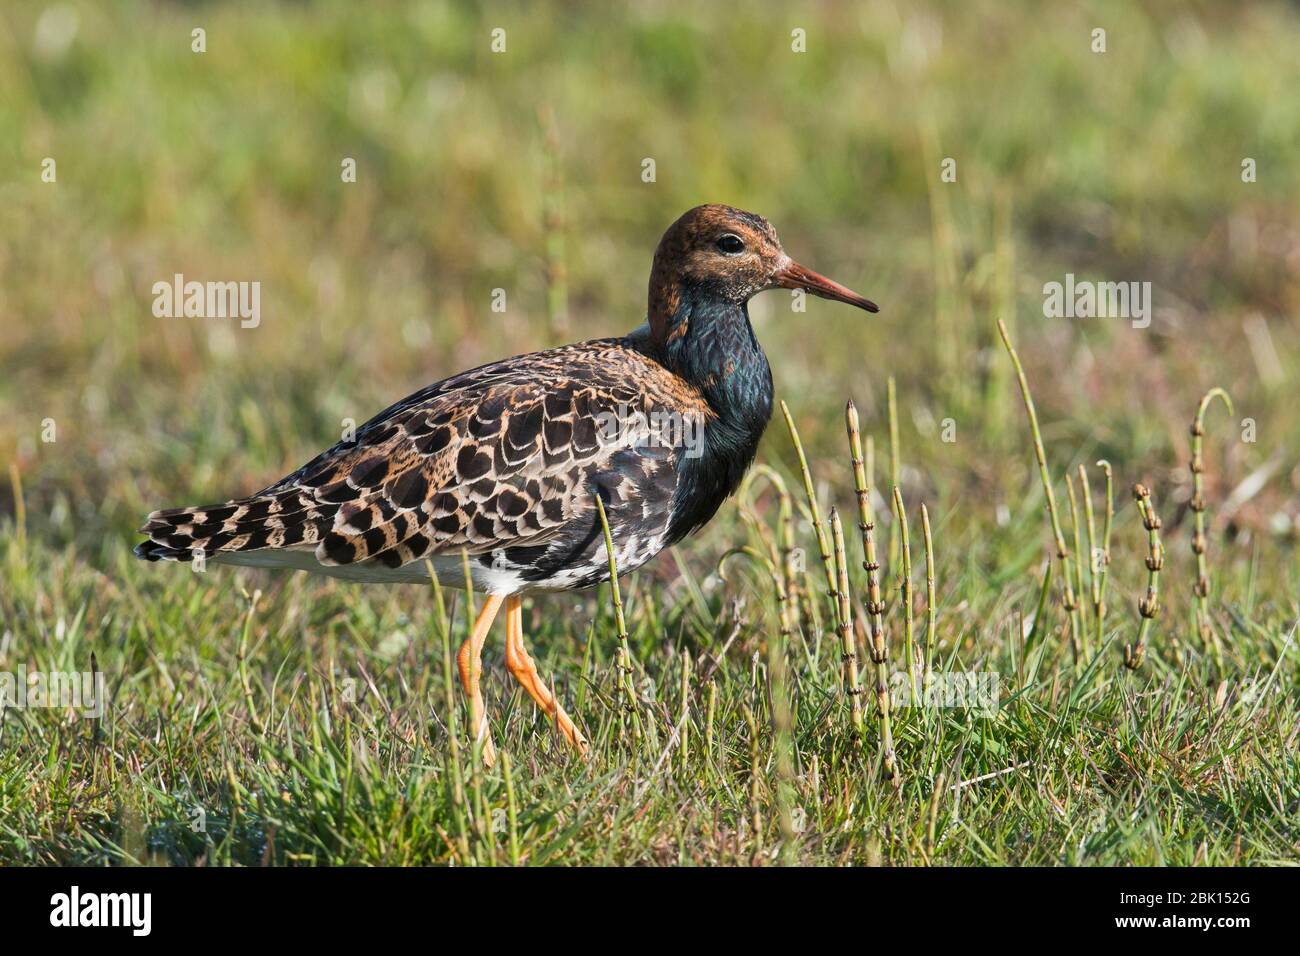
(710,344)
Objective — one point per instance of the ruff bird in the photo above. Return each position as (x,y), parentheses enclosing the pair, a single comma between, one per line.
(503,463)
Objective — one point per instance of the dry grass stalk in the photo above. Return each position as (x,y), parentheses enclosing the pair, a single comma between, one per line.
(627,693)
(1079,641)
(905,594)
(1103,560)
(814,513)
(1070,602)
(895,459)
(931,609)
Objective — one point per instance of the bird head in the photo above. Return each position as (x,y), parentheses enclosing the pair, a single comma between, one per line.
(731,255)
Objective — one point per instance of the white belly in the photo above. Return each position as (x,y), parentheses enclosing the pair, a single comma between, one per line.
(449,569)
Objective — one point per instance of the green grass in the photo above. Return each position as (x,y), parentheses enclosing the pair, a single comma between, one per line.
(276,718)
(338,748)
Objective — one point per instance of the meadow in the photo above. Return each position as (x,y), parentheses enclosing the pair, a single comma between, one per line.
(947,161)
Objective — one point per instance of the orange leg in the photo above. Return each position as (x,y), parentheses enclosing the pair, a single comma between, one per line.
(470,662)
(525,671)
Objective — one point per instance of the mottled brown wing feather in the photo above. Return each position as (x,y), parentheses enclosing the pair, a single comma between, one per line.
(501,456)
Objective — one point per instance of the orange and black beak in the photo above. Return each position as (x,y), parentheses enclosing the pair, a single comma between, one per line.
(795,276)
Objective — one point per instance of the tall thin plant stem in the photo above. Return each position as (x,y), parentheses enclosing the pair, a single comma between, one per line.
(1103,559)
(627,692)
(1069,602)
(880,655)
(457,775)
(875,605)
(895,462)
(1075,526)
(905,593)
(814,513)
(1090,523)
(930,606)
(844,621)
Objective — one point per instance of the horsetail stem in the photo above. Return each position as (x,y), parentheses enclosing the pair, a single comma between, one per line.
(1199,542)
(905,593)
(1062,552)
(879,653)
(844,622)
(1148,606)
(875,605)
(860,486)
(860,478)
(625,689)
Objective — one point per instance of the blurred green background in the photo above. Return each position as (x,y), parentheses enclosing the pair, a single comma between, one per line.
(522,170)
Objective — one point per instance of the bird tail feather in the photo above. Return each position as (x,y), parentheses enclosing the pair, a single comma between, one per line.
(280,519)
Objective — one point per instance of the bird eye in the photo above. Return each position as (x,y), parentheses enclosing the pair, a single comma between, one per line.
(730,244)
